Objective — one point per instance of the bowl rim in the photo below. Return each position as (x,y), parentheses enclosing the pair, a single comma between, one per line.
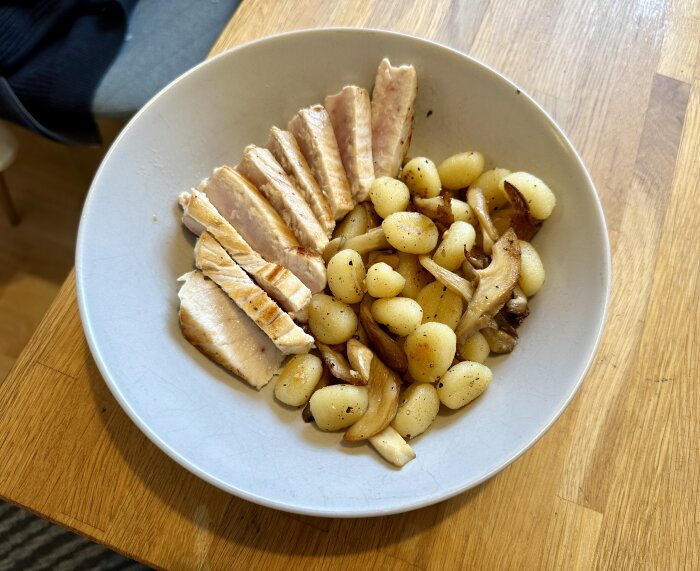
(322,511)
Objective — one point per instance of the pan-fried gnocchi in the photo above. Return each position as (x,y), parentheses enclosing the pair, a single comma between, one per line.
(531,269)
(419,407)
(458,239)
(298,378)
(421,177)
(331,321)
(410,232)
(385,305)
(460,170)
(338,406)
(401,315)
(440,304)
(537,194)
(476,348)
(346,276)
(463,383)
(389,195)
(383,281)
(430,350)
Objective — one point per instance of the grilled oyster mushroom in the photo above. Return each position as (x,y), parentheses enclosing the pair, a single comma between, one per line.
(438,208)
(362,244)
(516,309)
(386,347)
(499,341)
(524,224)
(477,202)
(496,282)
(338,365)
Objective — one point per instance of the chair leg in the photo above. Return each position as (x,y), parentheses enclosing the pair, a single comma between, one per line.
(6,203)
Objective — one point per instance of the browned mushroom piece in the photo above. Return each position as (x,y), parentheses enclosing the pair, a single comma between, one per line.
(496,282)
(478,258)
(477,202)
(383,402)
(386,346)
(499,341)
(438,208)
(360,357)
(450,280)
(338,365)
(363,244)
(516,309)
(524,224)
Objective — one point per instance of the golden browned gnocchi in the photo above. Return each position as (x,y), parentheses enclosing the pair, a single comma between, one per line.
(440,304)
(451,252)
(430,350)
(401,315)
(421,177)
(383,281)
(462,211)
(346,276)
(460,170)
(331,321)
(389,195)
(539,197)
(531,269)
(298,378)
(417,410)
(410,232)
(463,383)
(338,406)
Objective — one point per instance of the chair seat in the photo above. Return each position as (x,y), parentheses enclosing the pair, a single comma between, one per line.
(165,39)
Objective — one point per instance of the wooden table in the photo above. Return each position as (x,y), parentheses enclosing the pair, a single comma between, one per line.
(613,485)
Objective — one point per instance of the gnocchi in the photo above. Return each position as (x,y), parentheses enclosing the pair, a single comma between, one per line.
(460,170)
(440,304)
(383,281)
(389,195)
(463,383)
(346,276)
(451,252)
(531,269)
(298,378)
(430,350)
(476,348)
(336,407)
(355,223)
(414,274)
(421,177)
(417,410)
(490,183)
(331,321)
(537,194)
(410,232)
(401,315)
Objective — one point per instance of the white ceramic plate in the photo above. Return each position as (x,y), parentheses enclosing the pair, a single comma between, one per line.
(131,249)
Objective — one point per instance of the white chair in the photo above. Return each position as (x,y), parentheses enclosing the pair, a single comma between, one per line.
(8,152)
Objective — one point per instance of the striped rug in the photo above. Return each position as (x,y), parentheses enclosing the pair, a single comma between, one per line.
(30,543)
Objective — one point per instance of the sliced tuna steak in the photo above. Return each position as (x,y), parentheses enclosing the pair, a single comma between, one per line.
(219,329)
(283,286)
(313,132)
(242,205)
(261,168)
(217,265)
(351,117)
(393,106)
(285,149)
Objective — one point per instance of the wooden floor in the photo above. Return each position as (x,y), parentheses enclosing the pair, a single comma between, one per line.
(48,182)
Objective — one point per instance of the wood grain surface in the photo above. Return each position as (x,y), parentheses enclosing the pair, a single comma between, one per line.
(613,485)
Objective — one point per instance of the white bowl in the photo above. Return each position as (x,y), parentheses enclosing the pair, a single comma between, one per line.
(132,247)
